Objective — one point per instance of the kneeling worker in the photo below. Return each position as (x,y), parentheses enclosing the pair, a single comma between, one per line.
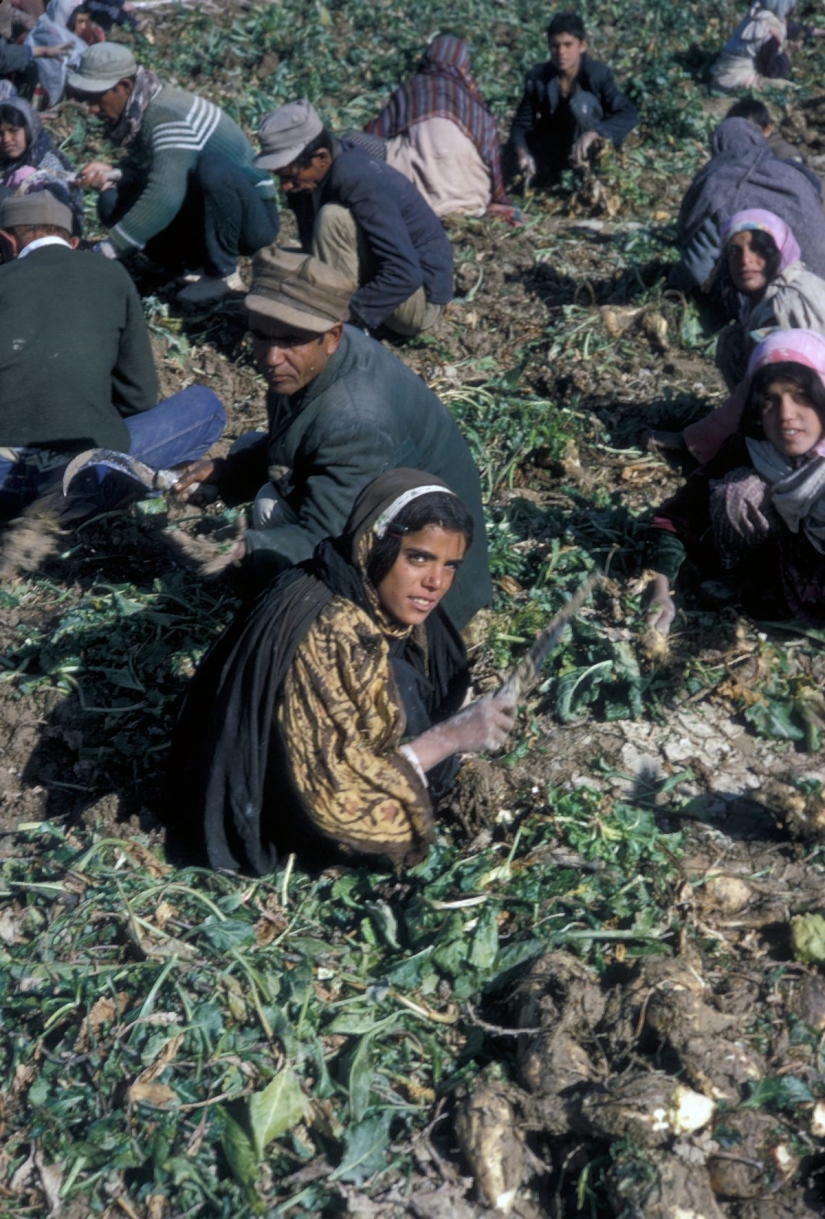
(189,194)
(362,217)
(342,409)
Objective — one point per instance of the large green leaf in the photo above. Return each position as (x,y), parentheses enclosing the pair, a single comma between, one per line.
(278,1108)
(239,1151)
(364,1150)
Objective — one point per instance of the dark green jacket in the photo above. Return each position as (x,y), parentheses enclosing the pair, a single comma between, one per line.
(365,413)
(74,351)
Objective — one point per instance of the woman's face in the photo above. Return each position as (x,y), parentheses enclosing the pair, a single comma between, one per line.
(12,141)
(748,269)
(422,573)
(82,22)
(789,419)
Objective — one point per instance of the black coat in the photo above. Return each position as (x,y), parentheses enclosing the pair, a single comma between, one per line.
(535,125)
(404,235)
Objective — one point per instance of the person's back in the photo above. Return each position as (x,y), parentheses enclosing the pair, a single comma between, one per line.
(73,354)
(743,174)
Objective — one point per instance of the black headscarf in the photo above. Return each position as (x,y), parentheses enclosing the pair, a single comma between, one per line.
(228,783)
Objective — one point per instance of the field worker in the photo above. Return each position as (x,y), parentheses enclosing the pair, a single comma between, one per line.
(570,104)
(76,16)
(26,148)
(190,196)
(743,173)
(342,408)
(363,218)
(17,60)
(290,737)
(759,51)
(442,136)
(76,368)
(753,518)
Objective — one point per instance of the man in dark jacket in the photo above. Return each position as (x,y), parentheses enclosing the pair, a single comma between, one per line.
(342,409)
(569,105)
(76,367)
(362,217)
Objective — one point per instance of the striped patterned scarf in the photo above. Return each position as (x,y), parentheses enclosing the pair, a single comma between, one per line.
(147,87)
(443,88)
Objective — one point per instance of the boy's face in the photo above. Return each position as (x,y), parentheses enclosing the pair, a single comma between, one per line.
(566,52)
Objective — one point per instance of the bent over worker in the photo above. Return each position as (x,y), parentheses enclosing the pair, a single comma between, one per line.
(362,217)
(189,194)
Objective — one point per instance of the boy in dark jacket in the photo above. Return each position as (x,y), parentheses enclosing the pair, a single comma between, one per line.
(569,105)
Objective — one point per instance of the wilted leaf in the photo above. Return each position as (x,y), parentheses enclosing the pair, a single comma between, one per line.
(152,1094)
(278,1108)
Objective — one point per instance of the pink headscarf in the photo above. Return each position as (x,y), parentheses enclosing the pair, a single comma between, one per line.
(799,346)
(765,222)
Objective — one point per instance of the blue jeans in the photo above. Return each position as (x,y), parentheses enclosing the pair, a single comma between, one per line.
(179,429)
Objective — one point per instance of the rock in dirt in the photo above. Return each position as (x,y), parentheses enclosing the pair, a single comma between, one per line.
(490,1141)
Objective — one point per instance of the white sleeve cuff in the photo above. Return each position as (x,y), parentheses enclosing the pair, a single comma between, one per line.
(412,757)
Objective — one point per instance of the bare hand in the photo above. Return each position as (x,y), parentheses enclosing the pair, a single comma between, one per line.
(526,163)
(189,486)
(580,153)
(661,609)
(64,48)
(96,175)
(484,724)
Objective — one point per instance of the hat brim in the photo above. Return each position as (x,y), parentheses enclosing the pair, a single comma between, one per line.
(282,309)
(279,160)
(86,84)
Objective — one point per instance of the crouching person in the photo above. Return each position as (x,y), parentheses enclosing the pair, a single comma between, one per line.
(76,368)
(189,196)
(753,518)
(327,719)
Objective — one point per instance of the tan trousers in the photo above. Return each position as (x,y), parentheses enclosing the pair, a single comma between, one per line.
(337,240)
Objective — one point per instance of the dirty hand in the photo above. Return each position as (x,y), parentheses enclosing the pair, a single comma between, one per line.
(483,725)
(96,175)
(661,609)
(526,163)
(189,485)
(581,149)
(64,48)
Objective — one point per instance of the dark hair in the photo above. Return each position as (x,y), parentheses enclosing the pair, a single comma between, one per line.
(321,143)
(10,114)
(765,246)
(752,109)
(804,378)
(81,8)
(434,508)
(567,23)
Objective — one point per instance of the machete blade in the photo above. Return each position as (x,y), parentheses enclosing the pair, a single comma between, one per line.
(121,462)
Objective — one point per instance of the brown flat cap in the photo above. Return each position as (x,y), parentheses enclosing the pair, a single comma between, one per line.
(298,290)
(38,207)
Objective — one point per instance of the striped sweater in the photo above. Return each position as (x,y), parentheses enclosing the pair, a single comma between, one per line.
(176,128)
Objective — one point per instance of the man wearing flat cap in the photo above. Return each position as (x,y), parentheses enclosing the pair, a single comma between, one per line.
(342,409)
(76,368)
(362,217)
(189,195)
